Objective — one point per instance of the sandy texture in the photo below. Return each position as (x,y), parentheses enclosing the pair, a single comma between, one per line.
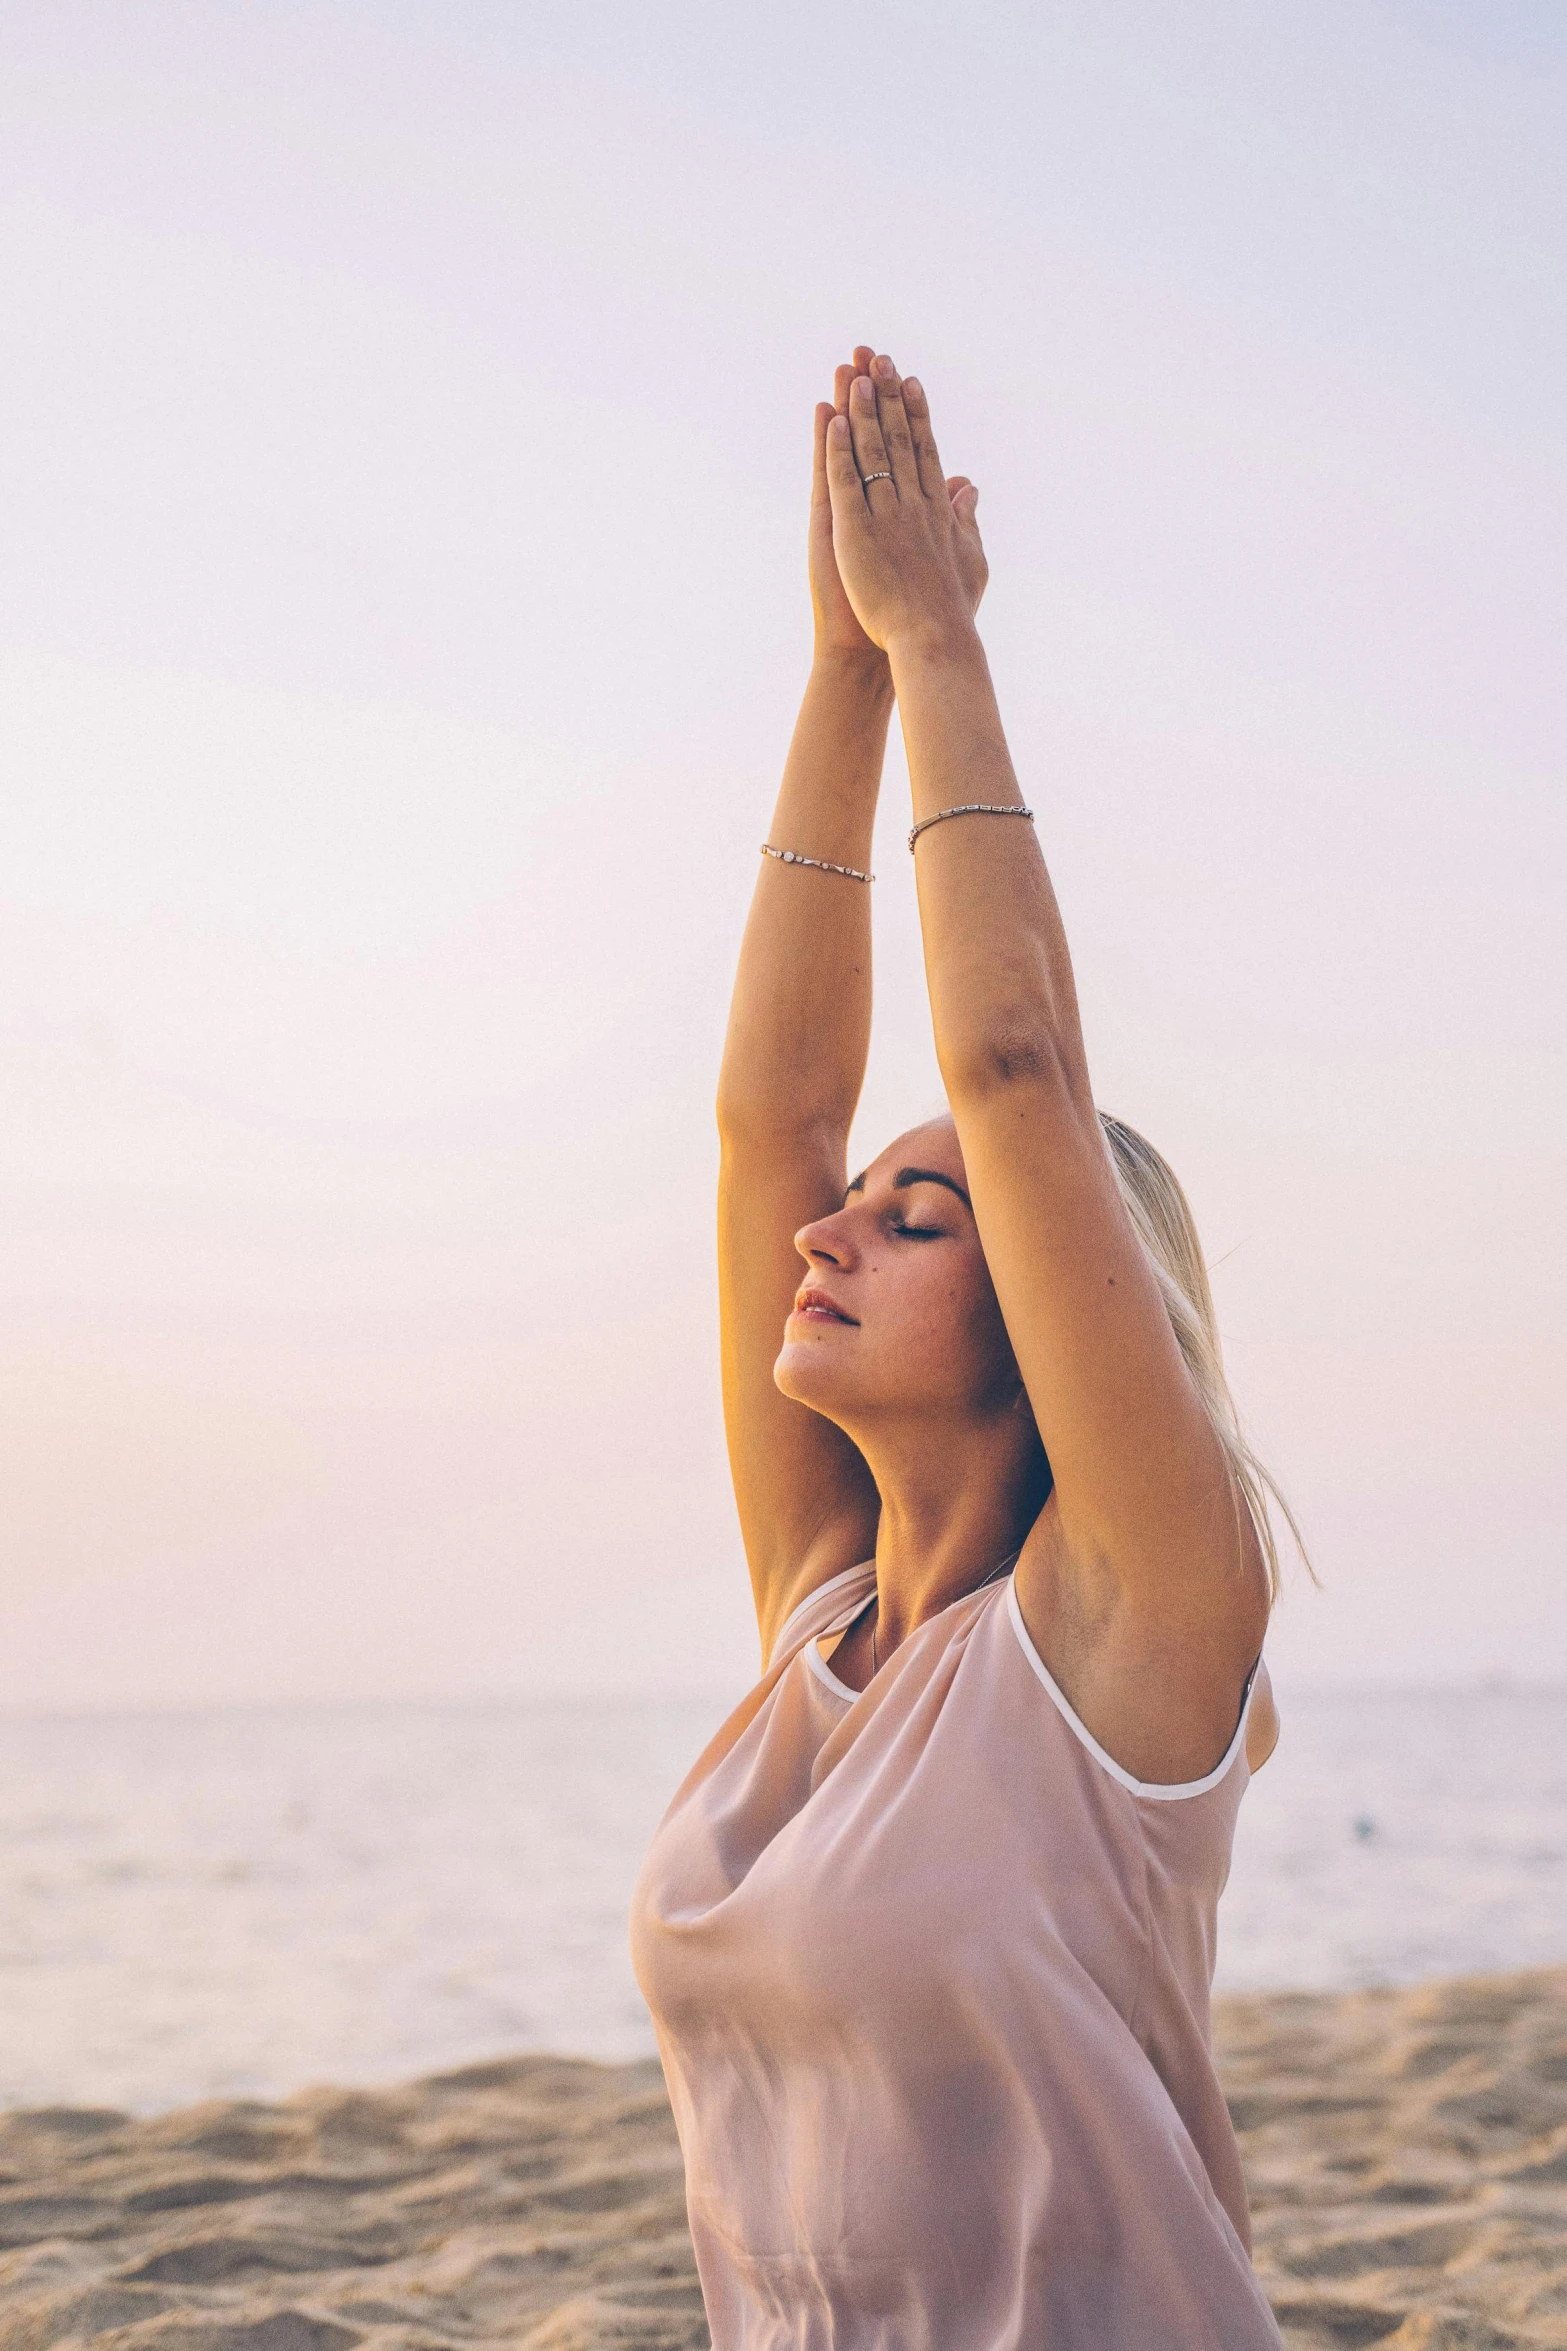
(1407,2158)
(1407,2151)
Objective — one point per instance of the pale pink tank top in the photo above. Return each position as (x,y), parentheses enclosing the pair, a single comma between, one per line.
(930,1975)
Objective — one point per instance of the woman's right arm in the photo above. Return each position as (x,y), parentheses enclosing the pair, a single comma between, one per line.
(794,1062)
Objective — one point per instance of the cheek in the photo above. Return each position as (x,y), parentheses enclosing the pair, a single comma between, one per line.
(937,1307)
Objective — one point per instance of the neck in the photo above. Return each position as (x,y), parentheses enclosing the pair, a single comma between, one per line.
(955,1502)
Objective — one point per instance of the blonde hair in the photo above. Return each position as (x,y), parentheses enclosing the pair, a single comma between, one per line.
(1164,1224)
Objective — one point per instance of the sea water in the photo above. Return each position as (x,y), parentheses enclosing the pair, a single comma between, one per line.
(239,1903)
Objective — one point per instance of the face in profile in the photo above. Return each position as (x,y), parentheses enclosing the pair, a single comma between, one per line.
(896,1315)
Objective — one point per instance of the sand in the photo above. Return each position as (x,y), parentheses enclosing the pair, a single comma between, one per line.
(1407,2153)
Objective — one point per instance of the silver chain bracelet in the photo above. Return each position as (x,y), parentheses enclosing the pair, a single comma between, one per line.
(969,808)
(850,873)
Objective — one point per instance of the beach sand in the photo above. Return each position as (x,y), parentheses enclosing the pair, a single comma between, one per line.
(1407,2153)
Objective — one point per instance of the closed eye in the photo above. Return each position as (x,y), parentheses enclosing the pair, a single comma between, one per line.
(921,1232)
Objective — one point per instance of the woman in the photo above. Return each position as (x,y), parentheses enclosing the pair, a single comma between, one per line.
(928,1932)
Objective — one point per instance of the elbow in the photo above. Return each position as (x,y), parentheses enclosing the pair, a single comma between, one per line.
(1006,1056)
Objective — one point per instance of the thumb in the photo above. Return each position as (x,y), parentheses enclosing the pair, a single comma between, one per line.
(964,495)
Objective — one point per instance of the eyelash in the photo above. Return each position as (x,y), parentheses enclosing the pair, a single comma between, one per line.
(919,1232)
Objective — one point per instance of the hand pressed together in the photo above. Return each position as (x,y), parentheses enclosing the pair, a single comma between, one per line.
(905,542)
(877,411)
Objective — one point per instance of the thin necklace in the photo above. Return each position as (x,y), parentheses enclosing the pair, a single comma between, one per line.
(1000,1568)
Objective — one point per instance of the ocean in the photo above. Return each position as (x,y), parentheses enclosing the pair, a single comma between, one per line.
(238,1903)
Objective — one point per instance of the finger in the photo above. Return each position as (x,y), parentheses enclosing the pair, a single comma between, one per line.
(844,486)
(824,416)
(964,495)
(917,409)
(895,427)
(843,377)
(870,449)
(965,523)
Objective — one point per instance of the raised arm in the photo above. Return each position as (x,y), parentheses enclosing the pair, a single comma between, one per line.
(794,1062)
(1142,1583)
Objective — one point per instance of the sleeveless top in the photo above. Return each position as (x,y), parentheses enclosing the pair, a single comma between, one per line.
(930,1977)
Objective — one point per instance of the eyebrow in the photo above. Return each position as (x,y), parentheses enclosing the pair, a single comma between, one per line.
(916,1175)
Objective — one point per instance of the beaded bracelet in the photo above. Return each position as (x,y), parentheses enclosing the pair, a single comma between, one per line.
(969,808)
(850,873)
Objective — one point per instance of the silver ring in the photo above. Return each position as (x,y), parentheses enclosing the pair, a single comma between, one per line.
(876,477)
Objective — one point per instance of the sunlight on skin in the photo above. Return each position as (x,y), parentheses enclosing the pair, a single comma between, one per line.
(941,1383)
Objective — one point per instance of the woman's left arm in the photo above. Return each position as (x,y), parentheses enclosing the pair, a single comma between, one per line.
(1142,1584)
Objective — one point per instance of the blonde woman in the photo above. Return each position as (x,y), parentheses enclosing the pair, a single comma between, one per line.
(928,1932)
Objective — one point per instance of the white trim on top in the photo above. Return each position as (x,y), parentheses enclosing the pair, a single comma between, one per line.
(817,1592)
(1159,1792)
(824,1672)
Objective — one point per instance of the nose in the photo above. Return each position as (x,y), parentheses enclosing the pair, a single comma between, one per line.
(826,1242)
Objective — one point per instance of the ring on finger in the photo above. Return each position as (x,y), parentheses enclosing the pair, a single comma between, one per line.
(885,476)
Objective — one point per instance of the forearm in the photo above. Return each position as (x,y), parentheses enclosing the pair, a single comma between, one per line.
(1003,1002)
(799,1025)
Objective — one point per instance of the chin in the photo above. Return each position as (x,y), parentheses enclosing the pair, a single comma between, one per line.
(806,1374)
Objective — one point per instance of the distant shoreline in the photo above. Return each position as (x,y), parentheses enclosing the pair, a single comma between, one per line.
(241,1902)
(1406,2152)
(1501,1683)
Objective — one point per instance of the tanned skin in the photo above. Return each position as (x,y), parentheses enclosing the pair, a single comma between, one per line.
(902,1351)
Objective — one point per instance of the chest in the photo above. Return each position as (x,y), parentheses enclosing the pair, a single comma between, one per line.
(921,1843)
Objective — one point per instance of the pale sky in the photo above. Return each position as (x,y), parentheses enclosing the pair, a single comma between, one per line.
(404,428)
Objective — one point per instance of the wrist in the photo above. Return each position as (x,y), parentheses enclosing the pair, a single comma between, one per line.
(858,669)
(936,641)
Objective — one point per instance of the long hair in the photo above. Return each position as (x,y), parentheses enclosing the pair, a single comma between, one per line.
(1164,1223)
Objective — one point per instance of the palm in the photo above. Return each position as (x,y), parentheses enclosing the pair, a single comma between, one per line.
(837,630)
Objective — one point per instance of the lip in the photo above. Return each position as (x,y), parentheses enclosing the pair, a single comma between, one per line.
(813,1305)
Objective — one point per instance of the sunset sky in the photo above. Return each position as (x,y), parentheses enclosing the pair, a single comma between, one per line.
(404,431)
